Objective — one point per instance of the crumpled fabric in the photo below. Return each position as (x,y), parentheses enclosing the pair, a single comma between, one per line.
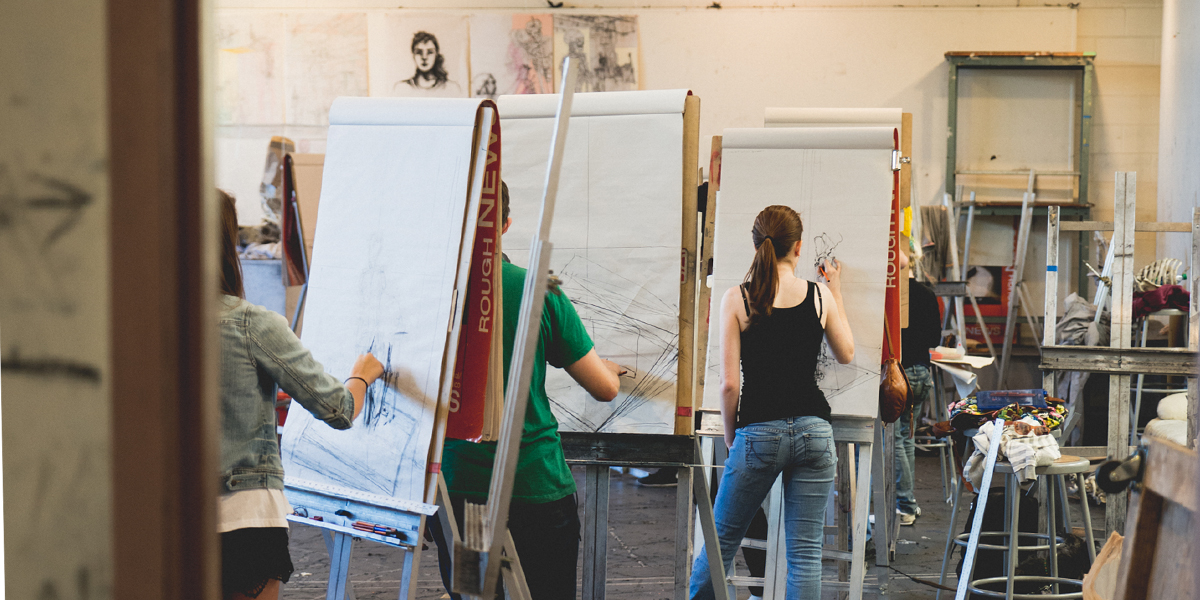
(1166,296)
(966,414)
(1025,444)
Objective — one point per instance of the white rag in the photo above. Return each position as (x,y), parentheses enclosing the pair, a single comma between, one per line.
(1025,452)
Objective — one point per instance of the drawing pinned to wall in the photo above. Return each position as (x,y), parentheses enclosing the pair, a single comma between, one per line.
(249,68)
(420,56)
(326,57)
(604,47)
(512,54)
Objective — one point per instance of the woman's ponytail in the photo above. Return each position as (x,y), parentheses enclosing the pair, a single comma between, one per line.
(776,231)
(762,280)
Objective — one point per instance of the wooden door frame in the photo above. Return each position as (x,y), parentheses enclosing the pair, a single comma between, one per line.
(163,286)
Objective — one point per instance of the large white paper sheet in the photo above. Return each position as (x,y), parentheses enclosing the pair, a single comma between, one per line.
(418,55)
(617,234)
(511,54)
(384,266)
(326,58)
(840,181)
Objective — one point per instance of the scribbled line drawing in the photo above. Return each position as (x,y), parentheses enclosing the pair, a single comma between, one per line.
(36,213)
(532,51)
(622,324)
(64,368)
(825,247)
(603,47)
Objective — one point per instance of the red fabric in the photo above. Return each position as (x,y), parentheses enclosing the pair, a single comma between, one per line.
(1167,296)
(891,303)
(294,260)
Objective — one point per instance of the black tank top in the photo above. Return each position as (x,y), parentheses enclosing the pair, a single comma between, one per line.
(779,364)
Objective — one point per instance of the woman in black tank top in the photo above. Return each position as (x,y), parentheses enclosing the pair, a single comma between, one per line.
(776,417)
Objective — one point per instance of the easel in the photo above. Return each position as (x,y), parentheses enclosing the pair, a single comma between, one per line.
(344,513)
(1120,360)
(486,553)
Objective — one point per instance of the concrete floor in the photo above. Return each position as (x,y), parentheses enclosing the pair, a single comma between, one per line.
(641,549)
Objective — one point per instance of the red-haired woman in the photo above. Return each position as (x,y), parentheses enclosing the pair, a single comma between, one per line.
(258,351)
(777,419)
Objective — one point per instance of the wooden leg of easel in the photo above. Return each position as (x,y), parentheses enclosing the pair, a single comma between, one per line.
(712,545)
(683,532)
(339,546)
(845,507)
(516,587)
(775,585)
(412,564)
(862,500)
(884,513)
(595,532)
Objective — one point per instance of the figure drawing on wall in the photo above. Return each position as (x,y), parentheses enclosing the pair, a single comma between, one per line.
(430,71)
(604,47)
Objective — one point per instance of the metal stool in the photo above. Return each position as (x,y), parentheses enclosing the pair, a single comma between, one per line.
(1063,467)
(942,445)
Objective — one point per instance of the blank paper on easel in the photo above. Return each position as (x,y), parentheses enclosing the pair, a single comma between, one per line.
(840,181)
(385,267)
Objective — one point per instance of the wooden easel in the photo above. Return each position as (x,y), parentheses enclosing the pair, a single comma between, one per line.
(486,527)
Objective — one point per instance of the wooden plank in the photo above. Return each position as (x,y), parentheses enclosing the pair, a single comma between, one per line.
(684,528)
(1171,472)
(1098,359)
(1050,309)
(1124,213)
(1140,226)
(1194,331)
(595,532)
(704,301)
(685,372)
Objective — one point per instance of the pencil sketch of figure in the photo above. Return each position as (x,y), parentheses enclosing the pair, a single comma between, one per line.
(485,86)
(533,58)
(430,65)
(603,48)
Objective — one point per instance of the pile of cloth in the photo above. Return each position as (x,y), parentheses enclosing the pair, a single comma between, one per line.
(1025,444)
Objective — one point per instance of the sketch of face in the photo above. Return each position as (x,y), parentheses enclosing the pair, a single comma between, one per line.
(534,28)
(425,55)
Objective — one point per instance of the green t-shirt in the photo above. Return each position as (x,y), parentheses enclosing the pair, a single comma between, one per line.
(542,472)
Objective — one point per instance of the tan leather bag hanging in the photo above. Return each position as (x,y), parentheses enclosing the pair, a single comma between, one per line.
(895,395)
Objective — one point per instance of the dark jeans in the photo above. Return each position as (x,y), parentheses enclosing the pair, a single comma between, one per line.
(547,540)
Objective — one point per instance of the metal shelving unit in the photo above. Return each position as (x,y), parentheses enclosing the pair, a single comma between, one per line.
(1068,61)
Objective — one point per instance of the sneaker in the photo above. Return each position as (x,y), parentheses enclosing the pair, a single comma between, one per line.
(659,478)
(907,519)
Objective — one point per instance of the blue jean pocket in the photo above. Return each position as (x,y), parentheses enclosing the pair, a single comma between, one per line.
(818,450)
(760,450)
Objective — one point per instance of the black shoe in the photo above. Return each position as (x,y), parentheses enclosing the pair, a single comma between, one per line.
(659,478)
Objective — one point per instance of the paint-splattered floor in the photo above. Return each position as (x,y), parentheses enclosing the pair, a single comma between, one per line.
(641,549)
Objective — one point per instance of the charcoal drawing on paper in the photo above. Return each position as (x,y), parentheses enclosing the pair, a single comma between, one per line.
(604,47)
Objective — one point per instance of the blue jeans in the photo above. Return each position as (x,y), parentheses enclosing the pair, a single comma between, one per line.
(802,449)
(922,387)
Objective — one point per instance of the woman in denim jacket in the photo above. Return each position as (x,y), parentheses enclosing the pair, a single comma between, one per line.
(258,351)
(777,419)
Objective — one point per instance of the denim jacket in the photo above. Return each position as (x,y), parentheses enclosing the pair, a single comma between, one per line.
(258,350)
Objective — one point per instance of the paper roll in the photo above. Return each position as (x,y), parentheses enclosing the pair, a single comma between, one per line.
(832,117)
(348,110)
(812,138)
(594,104)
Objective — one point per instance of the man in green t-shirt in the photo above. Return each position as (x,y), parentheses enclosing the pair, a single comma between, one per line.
(543,516)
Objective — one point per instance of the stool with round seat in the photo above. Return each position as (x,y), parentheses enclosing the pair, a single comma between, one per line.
(1065,466)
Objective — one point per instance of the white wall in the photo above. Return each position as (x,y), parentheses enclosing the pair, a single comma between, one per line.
(1179,141)
(742,60)
(54,299)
